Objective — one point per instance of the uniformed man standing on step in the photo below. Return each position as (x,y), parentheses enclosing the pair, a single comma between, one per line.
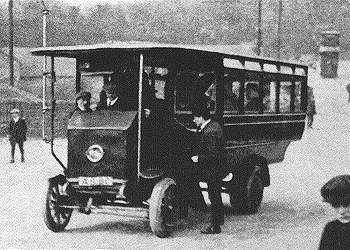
(210,164)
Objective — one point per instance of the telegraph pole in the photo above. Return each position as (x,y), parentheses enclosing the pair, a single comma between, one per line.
(259,42)
(11,60)
(45,13)
(279,30)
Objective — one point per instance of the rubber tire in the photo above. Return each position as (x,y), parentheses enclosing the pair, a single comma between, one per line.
(55,217)
(246,197)
(156,217)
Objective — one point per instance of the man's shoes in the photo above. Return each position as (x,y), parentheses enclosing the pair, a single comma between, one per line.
(12,161)
(211,230)
(22,159)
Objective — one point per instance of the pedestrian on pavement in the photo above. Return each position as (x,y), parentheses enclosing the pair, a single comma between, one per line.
(311,107)
(17,131)
(348,89)
(336,234)
(209,163)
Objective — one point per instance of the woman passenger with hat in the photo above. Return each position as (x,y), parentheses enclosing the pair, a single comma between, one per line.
(17,131)
(82,103)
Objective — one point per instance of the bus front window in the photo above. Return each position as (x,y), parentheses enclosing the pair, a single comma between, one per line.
(93,83)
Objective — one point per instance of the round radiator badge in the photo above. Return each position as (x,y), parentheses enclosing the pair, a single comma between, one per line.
(94,153)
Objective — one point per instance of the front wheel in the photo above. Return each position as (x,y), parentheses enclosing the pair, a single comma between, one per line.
(163,207)
(56,218)
(246,197)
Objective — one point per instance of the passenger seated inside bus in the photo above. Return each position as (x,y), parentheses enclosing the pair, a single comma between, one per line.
(252,97)
(230,103)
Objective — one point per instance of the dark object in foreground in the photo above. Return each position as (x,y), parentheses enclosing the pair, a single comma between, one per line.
(336,234)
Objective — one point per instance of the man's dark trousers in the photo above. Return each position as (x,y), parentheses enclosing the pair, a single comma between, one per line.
(13,147)
(217,208)
(212,167)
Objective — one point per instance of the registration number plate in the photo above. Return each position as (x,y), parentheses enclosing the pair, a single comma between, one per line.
(96,181)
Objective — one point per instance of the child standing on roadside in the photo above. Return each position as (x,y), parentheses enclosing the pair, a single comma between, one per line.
(336,234)
(17,131)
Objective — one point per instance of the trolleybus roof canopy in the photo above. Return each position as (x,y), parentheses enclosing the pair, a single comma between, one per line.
(77,51)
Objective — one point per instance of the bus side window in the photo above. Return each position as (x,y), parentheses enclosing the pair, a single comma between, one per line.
(297,96)
(269,98)
(194,87)
(159,81)
(285,89)
(231,95)
(211,96)
(251,99)
(183,82)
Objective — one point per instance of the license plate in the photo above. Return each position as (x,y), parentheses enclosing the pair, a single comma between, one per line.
(96,181)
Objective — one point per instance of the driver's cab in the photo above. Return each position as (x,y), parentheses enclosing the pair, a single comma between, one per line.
(116,132)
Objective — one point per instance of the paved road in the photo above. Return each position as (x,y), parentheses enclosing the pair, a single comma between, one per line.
(292,215)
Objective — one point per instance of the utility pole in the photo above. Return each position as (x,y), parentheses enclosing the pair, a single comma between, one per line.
(11,60)
(259,42)
(279,30)
(45,13)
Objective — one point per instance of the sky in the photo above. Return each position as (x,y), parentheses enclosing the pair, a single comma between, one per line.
(92,2)
(83,3)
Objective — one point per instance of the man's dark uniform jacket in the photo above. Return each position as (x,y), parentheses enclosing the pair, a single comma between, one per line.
(212,167)
(17,130)
(116,106)
(211,151)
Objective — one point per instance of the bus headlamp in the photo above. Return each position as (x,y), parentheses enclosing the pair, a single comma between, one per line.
(94,153)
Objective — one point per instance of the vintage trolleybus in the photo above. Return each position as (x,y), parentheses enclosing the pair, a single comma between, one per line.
(128,163)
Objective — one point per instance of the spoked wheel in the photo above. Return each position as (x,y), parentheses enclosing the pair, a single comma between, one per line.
(56,218)
(163,210)
(246,197)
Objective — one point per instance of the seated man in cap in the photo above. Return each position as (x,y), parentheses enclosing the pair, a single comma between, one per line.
(17,131)
(112,101)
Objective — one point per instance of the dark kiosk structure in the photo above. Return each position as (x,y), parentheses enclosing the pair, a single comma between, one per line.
(127,163)
(329,51)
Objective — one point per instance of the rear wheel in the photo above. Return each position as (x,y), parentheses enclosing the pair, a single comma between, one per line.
(163,209)
(56,218)
(246,196)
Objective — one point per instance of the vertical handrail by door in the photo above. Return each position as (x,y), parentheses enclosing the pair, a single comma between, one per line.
(139,135)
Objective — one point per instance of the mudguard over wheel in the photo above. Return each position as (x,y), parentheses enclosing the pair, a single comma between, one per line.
(163,207)
(56,218)
(246,195)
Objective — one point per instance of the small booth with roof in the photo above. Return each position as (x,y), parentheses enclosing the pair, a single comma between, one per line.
(329,51)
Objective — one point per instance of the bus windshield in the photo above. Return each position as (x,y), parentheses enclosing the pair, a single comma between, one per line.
(93,83)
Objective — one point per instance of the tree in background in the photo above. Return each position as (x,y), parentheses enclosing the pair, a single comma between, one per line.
(180,21)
